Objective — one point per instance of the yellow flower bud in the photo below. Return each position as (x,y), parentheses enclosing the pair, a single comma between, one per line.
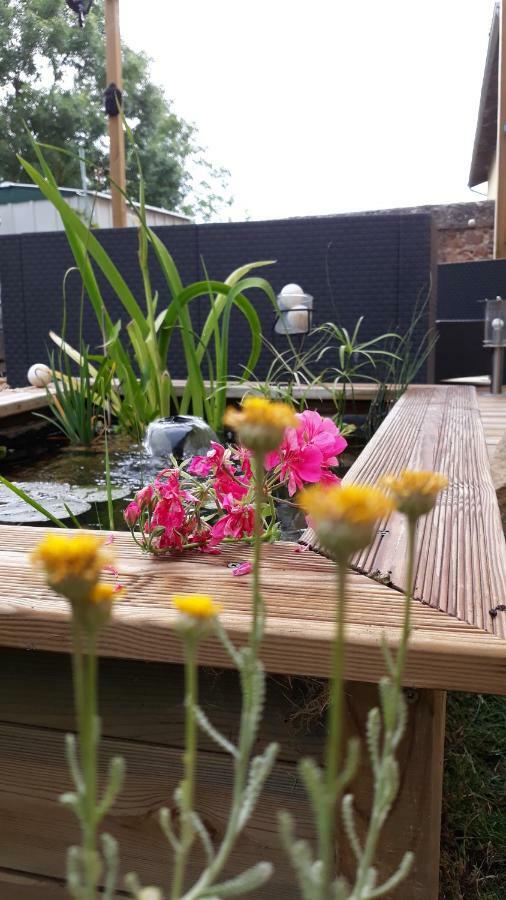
(260,424)
(72,563)
(344,517)
(415,493)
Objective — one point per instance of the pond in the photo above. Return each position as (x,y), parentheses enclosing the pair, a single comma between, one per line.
(71,482)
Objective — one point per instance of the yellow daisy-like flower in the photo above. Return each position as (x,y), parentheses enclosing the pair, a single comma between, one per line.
(344,517)
(260,424)
(104,593)
(72,564)
(197,606)
(415,493)
(97,609)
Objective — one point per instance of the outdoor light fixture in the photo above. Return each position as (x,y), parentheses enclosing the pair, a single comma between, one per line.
(295,311)
(495,337)
(81,8)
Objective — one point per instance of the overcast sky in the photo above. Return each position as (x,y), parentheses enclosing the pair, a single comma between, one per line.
(323,106)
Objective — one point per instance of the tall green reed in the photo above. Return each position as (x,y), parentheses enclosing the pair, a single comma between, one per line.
(140,351)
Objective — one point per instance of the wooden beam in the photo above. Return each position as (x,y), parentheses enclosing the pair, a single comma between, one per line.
(500,201)
(116,136)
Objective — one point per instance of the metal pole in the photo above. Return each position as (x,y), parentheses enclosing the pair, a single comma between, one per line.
(116,136)
(497,370)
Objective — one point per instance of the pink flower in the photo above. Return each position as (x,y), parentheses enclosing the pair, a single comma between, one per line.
(243,457)
(307,451)
(237,523)
(167,484)
(145,496)
(227,483)
(131,514)
(213,460)
(243,568)
(169,513)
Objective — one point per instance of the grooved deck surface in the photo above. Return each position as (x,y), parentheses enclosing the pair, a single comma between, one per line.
(299,591)
(461,551)
(461,573)
(493,416)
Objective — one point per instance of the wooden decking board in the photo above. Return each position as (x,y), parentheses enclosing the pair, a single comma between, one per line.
(461,552)
(493,416)
(461,573)
(15,401)
(299,589)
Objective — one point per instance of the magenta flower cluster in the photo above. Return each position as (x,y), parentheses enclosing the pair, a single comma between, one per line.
(210,498)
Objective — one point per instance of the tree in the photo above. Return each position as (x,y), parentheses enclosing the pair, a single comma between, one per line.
(52,78)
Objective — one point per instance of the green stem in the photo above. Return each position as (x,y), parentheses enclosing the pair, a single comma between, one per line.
(333,748)
(391,720)
(89,754)
(406,625)
(258,605)
(190,759)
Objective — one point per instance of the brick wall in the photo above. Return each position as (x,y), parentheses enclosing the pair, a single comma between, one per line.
(465,231)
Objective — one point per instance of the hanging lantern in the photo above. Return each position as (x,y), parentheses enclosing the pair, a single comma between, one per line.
(81,9)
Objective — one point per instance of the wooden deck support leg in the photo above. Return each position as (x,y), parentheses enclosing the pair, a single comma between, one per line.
(415,821)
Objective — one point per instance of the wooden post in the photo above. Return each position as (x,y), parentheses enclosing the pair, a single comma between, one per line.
(500,200)
(116,136)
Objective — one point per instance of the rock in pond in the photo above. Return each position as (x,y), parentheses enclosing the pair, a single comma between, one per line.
(179,436)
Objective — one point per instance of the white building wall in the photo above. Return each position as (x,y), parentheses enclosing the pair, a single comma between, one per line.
(41,215)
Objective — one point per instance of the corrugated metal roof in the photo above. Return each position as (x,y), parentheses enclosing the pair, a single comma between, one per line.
(17,192)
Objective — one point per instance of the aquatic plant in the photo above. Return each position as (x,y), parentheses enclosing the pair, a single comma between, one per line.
(78,402)
(140,352)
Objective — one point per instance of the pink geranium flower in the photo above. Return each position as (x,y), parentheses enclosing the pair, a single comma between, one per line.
(168,513)
(211,462)
(132,513)
(244,568)
(307,451)
(237,523)
(145,496)
(217,461)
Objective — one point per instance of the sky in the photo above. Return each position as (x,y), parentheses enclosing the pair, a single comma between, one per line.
(324,106)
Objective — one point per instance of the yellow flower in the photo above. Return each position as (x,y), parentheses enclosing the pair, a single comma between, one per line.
(104,593)
(344,518)
(260,424)
(415,493)
(96,611)
(197,606)
(72,564)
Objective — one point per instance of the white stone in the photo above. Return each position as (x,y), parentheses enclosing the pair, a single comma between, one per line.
(39,375)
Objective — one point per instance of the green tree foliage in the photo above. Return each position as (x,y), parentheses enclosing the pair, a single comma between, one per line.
(52,78)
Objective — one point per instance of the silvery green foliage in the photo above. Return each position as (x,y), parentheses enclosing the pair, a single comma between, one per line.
(250,775)
(385,728)
(106,865)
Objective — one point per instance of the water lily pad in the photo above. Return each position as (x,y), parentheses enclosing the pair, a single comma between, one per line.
(99,495)
(62,500)
(18,512)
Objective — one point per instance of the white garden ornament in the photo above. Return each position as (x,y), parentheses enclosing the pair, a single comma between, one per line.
(39,375)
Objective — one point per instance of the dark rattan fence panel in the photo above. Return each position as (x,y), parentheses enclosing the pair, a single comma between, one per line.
(373,266)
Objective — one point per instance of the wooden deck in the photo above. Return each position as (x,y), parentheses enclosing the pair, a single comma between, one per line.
(461,574)
(15,401)
(456,644)
(493,416)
